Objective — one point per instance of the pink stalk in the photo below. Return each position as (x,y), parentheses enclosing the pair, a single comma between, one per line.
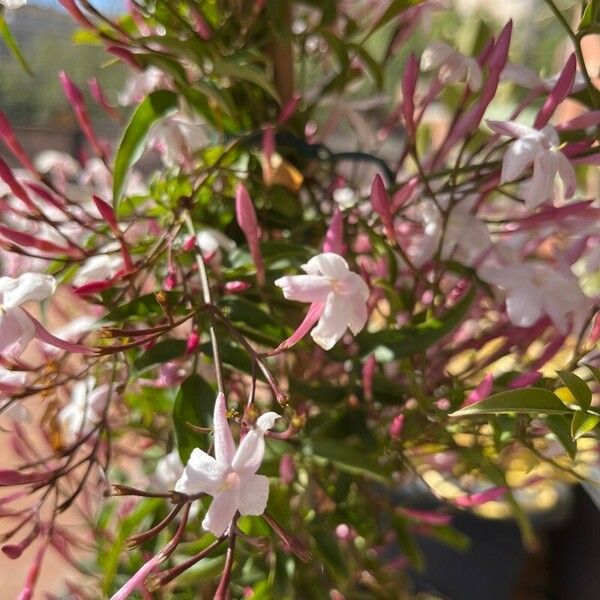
(288,110)
(71,7)
(246,218)
(588,119)
(99,96)
(77,101)
(334,237)
(236,287)
(268,144)
(403,194)
(367,375)
(559,92)
(312,316)
(138,579)
(95,287)
(43,193)
(482,391)
(29,241)
(32,575)
(13,477)
(16,188)
(10,139)
(41,333)
(192,343)
(381,205)
(108,214)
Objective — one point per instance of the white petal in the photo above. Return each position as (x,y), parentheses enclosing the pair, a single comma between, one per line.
(29,286)
(523,306)
(328,264)
(253,493)
(541,187)
(223,440)
(566,173)
(435,54)
(357,315)
(474,77)
(521,75)
(357,286)
(16,331)
(333,322)
(304,288)
(266,421)
(250,453)
(518,157)
(202,474)
(514,129)
(220,512)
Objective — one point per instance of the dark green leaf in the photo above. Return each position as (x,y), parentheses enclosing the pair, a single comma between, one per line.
(591,15)
(408,544)
(194,405)
(141,308)
(160,353)
(528,400)
(581,392)
(417,338)
(330,552)
(153,108)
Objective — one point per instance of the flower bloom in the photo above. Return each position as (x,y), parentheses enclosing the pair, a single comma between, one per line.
(84,410)
(453,66)
(230,477)
(16,327)
(339,295)
(10,380)
(539,147)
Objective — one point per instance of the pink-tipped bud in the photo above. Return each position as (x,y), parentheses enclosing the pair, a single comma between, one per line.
(99,96)
(559,92)
(107,213)
(29,241)
(287,469)
(246,218)
(12,477)
(482,391)
(192,342)
(396,427)
(344,533)
(189,244)
(499,55)
(368,374)
(409,84)
(381,205)
(334,237)
(288,109)
(171,278)
(236,287)
(72,92)
(14,551)
(200,25)
(16,188)
(129,58)
(94,287)
(73,10)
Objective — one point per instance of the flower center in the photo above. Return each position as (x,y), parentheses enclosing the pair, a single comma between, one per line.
(231,480)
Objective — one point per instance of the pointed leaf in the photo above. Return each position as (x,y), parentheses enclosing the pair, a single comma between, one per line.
(581,392)
(582,423)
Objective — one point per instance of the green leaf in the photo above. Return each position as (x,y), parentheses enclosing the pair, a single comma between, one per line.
(561,428)
(409,340)
(581,392)
(252,320)
(246,72)
(582,423)
(12,45)
(160,353)
(590,16)
(349,459)
(194,405)
(153,108)
(528,400)
(329,550)
(141,308)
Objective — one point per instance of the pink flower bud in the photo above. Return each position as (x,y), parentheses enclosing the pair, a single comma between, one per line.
(344,533)
(124,55)
(200,25)
(594,335)
(480,498)
(71,7)
(381,205)
(29,241)
(14,551)
(287,469)
(368,374)
(559,92)
(94,287)
(72,92)
(499,54)
(171,279)
(12,477)
(334,237)
(8,135)
(246,218)
(396,427)
(236,287)
(482,391)
(107,213)
(524,380)
(16,188)
(189,244)
(192,343)
(99,96)
(32,575)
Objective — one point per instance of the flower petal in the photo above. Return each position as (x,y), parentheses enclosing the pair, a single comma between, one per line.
(304,288)
(220,512)
(333,322)
(523,306)
(518,157)
(311,317)
(29,286)
(16,331)
(202,474)
(541,186)
(253,493)
(266,421)
(250,453)
(566,173)
(328,264)
(223,440)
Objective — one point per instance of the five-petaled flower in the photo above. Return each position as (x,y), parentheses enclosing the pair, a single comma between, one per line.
(339,295)
(453,66)
(230,477)
(17,328)
(540,147)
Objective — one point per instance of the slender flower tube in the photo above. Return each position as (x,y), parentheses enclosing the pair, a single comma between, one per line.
(230,477)
(246,218)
